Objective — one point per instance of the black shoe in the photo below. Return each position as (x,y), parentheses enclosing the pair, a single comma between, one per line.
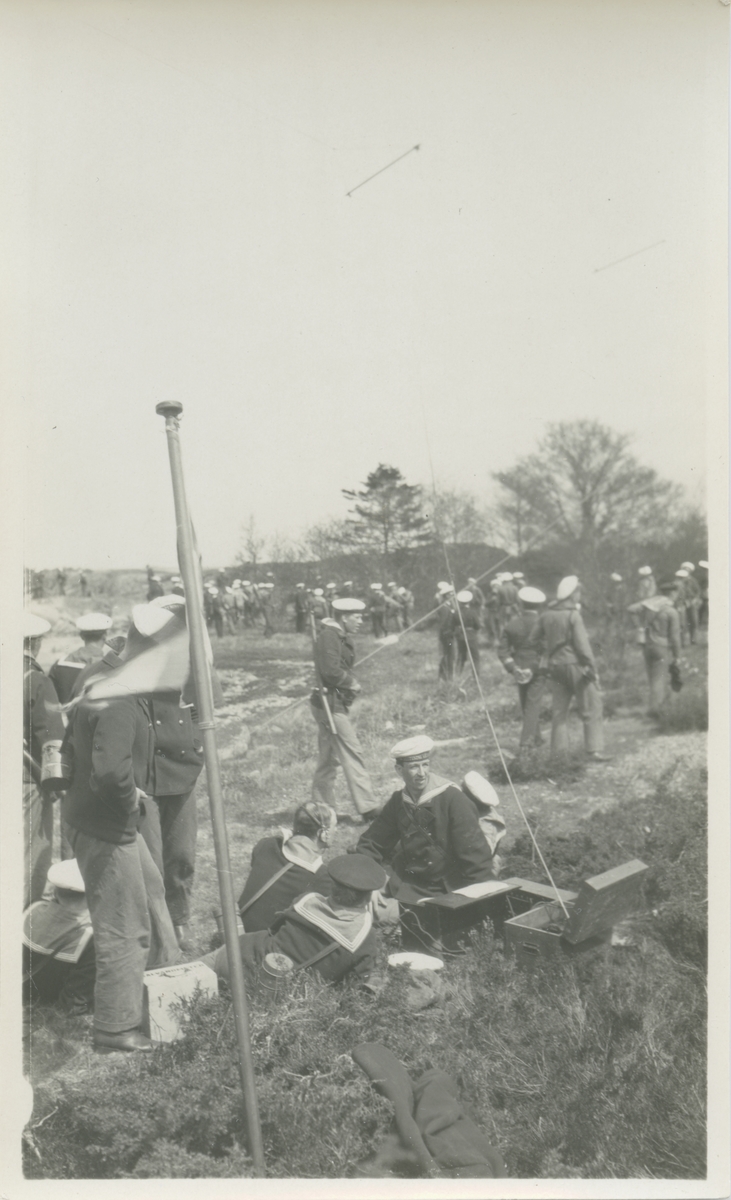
(131,1039)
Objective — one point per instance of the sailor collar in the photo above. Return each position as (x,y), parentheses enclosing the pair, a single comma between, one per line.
(348,927)
(435,785)
(296,854)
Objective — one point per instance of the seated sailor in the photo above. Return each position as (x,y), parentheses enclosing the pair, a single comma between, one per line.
(427,834)
(332,933)
(58,943)
(286,865)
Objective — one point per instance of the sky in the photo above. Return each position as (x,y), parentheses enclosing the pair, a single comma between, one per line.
(181,229)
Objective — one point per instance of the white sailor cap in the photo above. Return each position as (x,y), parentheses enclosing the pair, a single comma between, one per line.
(173,600)
(443,586)
(348,604)
(331,586)
(402,591)
(236,583)
(681,574)
(616,577)
(688,566)
(702,563)
(93,622)
(34,626)
(149,619)
(377,587)
(246,583)
(420,746)
(567,587)
(318,592)
(464,597)
(518,575)
(531,595)
(66,874)
(644,571)
(392,583)
(348,583)
(296,585)
(506,576)
(480,789)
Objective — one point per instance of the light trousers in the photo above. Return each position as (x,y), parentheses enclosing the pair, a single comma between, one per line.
(132,927)
(567,682)
(340,749)
(37,842)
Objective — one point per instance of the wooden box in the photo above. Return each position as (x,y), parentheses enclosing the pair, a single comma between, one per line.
(544,932)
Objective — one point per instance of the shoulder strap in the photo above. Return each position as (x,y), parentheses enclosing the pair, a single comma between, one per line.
(269,883)
(316,957)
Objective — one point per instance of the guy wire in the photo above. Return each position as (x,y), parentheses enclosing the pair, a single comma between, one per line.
(477,679)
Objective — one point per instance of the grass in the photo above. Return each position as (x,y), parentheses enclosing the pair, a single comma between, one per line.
(592,1068)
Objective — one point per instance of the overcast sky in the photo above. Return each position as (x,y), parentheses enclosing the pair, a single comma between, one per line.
(554,250)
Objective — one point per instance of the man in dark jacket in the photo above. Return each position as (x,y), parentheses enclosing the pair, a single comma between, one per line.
(285,866)
(563,644)
(112,743)
(334,658)
(466,632)
(43,733)
(521,660)
(427,835)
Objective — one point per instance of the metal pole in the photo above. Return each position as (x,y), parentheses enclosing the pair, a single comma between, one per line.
(171,410)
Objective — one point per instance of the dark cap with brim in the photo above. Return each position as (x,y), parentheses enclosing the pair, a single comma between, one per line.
(357,871)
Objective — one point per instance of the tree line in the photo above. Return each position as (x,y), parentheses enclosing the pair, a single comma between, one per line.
(580,503)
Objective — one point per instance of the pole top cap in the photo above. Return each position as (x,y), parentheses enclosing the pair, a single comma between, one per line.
(169,408)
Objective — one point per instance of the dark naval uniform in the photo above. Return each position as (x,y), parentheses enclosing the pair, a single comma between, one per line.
(342,941)
(66,671)
(170,826)
(277,877)
(334,658)
(431,847)
(43,733)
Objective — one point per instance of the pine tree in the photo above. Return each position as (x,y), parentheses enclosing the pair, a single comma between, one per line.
(387,512)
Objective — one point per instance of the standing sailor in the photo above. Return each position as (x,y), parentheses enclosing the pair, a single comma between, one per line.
(93,628)
(334,658)
(658,626)
(646,586)
(560,635)
(445,613)
(521,659)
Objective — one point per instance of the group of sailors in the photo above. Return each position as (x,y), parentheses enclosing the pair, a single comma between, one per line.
(126,768)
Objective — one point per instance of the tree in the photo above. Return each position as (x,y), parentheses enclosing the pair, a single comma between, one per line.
(252,543)
(455,516)
(387,512)
(588,492)
(328,539)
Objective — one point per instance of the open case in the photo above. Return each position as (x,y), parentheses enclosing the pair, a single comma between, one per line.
(544,931)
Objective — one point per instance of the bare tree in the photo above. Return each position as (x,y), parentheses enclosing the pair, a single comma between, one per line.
(252,543)
(455,516)
(326,540)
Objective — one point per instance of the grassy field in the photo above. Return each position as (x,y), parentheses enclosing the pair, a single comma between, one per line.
(592,1068)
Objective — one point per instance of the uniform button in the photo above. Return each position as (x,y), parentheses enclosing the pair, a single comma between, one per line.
(182,752)
(158,722)
(180,720)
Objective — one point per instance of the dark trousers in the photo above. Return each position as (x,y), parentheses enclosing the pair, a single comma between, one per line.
(462,655)
(301,622)
(379,627)
(170,828)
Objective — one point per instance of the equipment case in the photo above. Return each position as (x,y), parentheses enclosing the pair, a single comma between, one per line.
(543,932)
